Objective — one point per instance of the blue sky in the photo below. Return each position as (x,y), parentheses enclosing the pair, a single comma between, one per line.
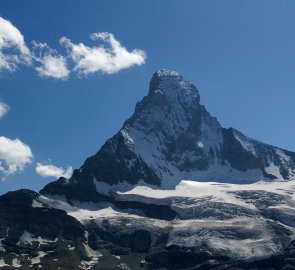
(240,55)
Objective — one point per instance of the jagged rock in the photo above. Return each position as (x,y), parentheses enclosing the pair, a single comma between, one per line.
(171,137)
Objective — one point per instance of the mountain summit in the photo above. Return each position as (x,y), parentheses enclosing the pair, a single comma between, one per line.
(171,137)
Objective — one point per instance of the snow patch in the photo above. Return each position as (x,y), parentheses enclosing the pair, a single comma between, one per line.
(246,143)
(16,263)
(36,204)
(2,263)
(106,189)
(282,155)
(274,170)
(36,260)
(260,242)
(200,144)
(215,232)
(127,138)
(25,238)
(94,255)
(2,249)
(28,239)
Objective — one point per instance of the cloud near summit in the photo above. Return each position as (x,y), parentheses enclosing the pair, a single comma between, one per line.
(49,170)
(49,62)
(108,57)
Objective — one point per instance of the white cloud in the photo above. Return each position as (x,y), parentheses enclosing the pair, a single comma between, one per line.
(13,49)
(52,64)
(107,59)
(14,155)
(49,170)
(3,109)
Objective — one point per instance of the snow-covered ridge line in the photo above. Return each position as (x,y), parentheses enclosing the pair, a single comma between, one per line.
(200,191)
(229,218)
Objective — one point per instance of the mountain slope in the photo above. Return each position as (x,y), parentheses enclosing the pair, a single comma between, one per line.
(171,137)
(164,193)
(215,226)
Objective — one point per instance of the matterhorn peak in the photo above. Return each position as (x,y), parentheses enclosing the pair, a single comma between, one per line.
(171,137)
(172,85)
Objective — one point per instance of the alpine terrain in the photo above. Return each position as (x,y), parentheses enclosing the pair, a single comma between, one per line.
(172,189)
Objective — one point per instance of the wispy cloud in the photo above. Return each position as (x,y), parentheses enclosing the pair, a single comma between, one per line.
(49,170)
(110,57)
(3,109)
(51,64)
(13,49)
(14,155)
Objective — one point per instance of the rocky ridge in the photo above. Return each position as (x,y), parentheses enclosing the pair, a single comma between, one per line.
(130,206)
(171,137)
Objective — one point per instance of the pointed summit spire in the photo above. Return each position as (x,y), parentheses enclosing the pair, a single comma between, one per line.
(162,73)
(174,87)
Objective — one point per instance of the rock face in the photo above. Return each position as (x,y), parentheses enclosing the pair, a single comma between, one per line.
(164,193)
(214,226)
(171,137)
(29,231)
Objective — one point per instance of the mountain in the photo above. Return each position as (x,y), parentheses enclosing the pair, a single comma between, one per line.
(171,190)
(171,137)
